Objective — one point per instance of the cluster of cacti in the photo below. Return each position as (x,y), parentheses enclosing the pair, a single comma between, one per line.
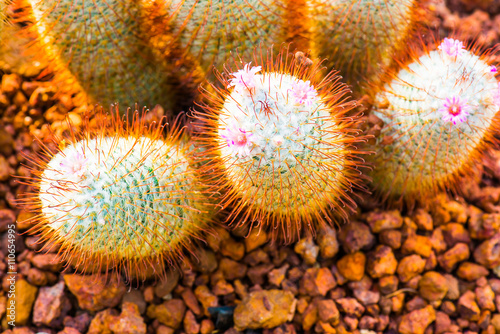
(121,196)
(280,149)
(440,111)
(157,52)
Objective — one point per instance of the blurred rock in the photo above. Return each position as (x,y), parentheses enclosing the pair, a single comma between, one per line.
(416,322)
(307,249)
(170,313)
(51,306)
(129,321)
(384,220)
(317,282)
(352,266)
(381,262)
(356,236)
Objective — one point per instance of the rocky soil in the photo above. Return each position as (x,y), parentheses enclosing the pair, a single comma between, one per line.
(435,270)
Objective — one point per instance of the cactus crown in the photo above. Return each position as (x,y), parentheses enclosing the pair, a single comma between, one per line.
(279,141)
(127,199)
(440,111)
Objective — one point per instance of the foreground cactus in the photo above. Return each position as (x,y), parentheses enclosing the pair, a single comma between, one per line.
(119,197)
(440,113)
(279,147)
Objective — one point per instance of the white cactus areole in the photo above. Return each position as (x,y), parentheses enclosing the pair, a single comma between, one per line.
(278,142)
(131,196)
(437,112)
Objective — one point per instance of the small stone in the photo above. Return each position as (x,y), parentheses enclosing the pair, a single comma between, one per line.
(384,220)
(207,326)
(448,307)
(453,287)
(448,260)
(423,220)
(381,262)
(37,277)
(191,301)
(50,306)
(136,297)
(276,276)
(170,313)
(310,316)
(207,262)
(328,243)
(7,218)
(416,303)
(471,271)
(69,330)
(351,323)
(366,297)
(433,286)
(324,327)
(417,321)
(94,292)
(232,249)
(164,287)
(388,284)
(317,282)
(264,309)
(232,269)
(454,233)
(101,322)
(129,321)
(467,306)
(442,324)
(81,322)
(368,322)
(437,241)
(417,244)
(409,267)
(307,249)
(206,298)
(191,326)
(398,303)
(488,252)
(485,298)
(23,302)
(350,306)
(352,266)
(483,226)
(255,239)
(391,238)
(162,329)
(222,288)
(11,83)
(355,237)
(328,311)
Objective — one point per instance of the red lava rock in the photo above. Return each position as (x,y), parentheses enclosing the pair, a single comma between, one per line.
(324,327)
(433,286)
(276,276)
(384,220)
(207,326)
(206,298)
(328,311)
(129,321)
(232,249)
(471,271)
(488,252)
(416,303)
(453,256)
(69,330)
(417,321)
(93,292)
(256,257)
(255,239)
(317,282)
(482,225)
(170,313)
(409,267)
(232,269)
(442,323)
(381,262)
(397,303)
(257,274)
(352,266)
(191,301)
(350,306)
(423,220)
(307,249)
(264,309)
(454,233)
(366,297)
(51,306)
(388,284)
(351,323)
(80,322)
(207,263)
(417,244)
(437,240)
(7,218)
(222,287)
(310,316)
(100,323)
(467,306)
(448,307)
(368,322)
(453,287)
(356,236)
(327,242)
(190,323)
(391,238)
(485,298)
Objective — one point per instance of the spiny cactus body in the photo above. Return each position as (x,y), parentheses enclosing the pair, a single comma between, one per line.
(359,37)
(440,112)
(279,148)
(121,199)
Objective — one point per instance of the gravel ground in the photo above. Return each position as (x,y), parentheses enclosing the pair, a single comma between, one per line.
(432,271)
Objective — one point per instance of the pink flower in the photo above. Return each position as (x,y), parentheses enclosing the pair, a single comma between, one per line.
(492,69)
(455,110)
(75,164)
(303,92)
(238,140)
(452,47)
(244,80)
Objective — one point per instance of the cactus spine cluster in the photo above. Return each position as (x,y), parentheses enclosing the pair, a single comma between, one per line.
(280,147)
(440,112)
(121,197)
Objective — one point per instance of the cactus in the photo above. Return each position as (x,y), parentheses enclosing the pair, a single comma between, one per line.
(119,197)
(440,113)
(359,37)
(279,147)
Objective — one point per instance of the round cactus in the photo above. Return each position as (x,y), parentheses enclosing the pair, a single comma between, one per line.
(440,113)
(121,196)
(359,37)
(279,147)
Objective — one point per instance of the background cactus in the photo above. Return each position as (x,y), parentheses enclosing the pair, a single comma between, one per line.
(440,113)
(122,196)
(280,147)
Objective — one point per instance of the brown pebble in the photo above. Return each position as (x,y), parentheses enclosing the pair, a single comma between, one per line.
(437,241)
(328,243)
(232,269)
(11,83)
(206,298)
(317,282)
(310,316)
(388,284)
(51,306)
(423,220)
(417,244)
(442,323)
(190,323)
(129,321)
(222,287)
(350,306)
(488,252)
(351,323)
(257,274)
(409,267)
(255,239)
(483,226)
(381,262)
(453,287)
(352,266)
(433,286)
(366,297)
(391,238)
(276,276)
(191,302)
(368,322)
(328,311)
(467,306)
(448,307)
(485,298)
(207,326)
(170,313)
(417,321)
(384,220)
(356,236)
(307,249)
(415,303)
(453,256)
(471,271)
(232,249)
